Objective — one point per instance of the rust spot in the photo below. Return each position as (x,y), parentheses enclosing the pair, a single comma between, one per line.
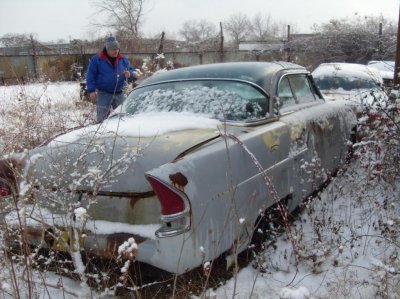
(33,232)
(178,180)
(133,201)
(210,231)
(49,237)
(317,128)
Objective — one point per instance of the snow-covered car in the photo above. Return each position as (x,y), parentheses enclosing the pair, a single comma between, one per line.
(386,69)
(356,83)
(184,169)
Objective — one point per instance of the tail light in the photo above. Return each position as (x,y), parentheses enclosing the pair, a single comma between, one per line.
(171,201)
(175,208)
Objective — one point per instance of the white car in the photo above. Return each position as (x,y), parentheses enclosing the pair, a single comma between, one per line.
(356,83)
(181,170)
(386,69)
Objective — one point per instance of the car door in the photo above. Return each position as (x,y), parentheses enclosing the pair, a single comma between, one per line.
(317,134)
(295,94)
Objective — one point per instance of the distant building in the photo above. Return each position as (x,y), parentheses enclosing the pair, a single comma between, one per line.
(295,40)
(263,46)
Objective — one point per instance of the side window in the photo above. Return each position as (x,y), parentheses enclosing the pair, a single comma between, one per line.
(302,89)
(286,98)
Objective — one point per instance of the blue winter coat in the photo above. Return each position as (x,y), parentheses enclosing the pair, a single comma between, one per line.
(102,75)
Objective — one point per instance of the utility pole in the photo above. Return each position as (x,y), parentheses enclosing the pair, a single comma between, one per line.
(221,47)
(380,40)
(161,45)
(288,43)
(396,78)
(33,44)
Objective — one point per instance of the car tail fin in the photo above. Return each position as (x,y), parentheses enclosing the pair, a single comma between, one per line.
(175,208)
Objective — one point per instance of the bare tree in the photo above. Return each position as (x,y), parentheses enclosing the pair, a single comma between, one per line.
(263,28)
(195,31)
(16,40)
(123,17)
(238,27)
(200,35)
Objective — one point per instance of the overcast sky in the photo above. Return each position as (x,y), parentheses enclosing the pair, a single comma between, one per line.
(52,20)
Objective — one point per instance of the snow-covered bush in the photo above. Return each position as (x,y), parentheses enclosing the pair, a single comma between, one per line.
(31,114)
(378,144)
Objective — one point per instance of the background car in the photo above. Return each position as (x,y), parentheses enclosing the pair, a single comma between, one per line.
(386,69)
(355,83)
(184,170)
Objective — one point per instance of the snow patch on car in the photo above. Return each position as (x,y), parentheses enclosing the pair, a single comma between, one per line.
(144,125)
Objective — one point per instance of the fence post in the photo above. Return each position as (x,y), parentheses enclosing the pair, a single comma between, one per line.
(34,56)
(221,48)
(396,78)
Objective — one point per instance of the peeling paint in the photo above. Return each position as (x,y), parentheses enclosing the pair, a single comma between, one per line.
(296,130)
(272,138)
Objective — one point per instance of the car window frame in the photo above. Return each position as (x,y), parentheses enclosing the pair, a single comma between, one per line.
(317,95)
(295,89)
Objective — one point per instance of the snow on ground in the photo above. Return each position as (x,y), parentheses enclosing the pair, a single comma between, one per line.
(347,243)
(347,240)
(59,92)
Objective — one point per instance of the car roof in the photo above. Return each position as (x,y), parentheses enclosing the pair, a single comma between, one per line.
(385,62)
(259,73)
(347,69)
(342,66)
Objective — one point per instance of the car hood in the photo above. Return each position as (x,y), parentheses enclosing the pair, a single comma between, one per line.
(114,156)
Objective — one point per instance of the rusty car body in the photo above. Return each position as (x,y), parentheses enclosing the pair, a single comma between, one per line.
(186,196)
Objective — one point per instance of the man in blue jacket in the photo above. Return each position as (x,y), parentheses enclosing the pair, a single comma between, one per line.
(107,74)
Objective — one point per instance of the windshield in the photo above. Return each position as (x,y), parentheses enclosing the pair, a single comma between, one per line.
(219,99)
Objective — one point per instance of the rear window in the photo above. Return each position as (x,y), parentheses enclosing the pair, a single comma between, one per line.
(346,83)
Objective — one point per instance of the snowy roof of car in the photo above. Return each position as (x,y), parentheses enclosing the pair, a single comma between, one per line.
(382,64)
(385,68)
(255,72)
(347,70)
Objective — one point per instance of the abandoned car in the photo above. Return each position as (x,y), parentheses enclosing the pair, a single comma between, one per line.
(184,168)
(359,84)
(386,69)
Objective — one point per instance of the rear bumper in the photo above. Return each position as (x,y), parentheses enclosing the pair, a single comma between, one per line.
(173,254)
(99,245)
